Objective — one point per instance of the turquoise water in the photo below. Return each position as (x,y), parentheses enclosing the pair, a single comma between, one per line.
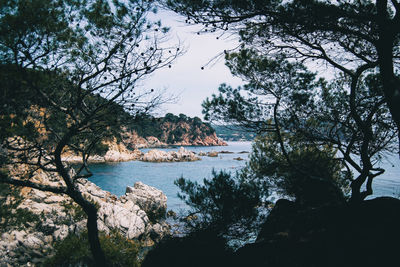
(115,177)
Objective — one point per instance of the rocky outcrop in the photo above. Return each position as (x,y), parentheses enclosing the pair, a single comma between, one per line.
(139,214)
(133,141)
(116,152)
(212,154)
(149,199)
(210,140)
(128,149)
(169,156)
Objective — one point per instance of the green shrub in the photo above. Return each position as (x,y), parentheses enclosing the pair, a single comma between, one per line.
(75,250)
(314,176)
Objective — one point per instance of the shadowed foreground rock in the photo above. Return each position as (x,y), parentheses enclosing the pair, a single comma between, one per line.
(364,234)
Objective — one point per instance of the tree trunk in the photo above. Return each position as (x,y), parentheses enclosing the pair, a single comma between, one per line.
(356,189)
(388,29)
(88,207)
(93,237)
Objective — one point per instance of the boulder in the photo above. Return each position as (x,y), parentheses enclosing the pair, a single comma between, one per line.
(149,199)
(169,156)
(212,154)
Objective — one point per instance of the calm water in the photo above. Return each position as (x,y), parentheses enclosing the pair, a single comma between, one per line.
(114,177)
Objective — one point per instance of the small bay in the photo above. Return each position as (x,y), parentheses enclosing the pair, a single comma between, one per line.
(115,177)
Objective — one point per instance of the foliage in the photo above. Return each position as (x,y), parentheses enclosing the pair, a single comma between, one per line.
(170,128)
(286,98)
(352,37)
(78,64)
(312,177)
(225,205)
(74,250)
(233,207)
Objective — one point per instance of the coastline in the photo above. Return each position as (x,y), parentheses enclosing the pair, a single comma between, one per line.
(120,153)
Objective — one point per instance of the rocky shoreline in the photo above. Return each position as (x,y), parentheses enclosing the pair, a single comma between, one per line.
(119,152)
(133,141)
(169,156)
(139,214)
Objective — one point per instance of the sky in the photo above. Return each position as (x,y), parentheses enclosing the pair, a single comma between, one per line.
(185,78)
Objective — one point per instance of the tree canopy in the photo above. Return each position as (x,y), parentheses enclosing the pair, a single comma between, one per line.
(68,68)
(353,37)
(286,98)
(279,41)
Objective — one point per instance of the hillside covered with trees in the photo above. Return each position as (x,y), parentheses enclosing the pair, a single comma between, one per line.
(173,130)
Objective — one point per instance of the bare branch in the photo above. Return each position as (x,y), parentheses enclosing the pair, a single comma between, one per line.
(48,188)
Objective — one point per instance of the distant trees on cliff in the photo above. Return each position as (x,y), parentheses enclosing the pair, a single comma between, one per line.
(170,128)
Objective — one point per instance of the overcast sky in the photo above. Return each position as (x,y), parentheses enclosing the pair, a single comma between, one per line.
(185,78)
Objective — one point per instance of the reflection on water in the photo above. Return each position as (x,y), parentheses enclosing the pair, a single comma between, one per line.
(114,177)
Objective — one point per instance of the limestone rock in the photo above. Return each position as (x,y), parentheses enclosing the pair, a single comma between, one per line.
(148,198)
(139,213)
(116,152)
(169,156)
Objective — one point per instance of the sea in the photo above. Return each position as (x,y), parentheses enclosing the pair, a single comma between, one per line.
(115,177)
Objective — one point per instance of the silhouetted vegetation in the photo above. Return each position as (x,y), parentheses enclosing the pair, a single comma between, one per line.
(75,250)
(287,99)
(320,141)
(229,206)
(352,37)
(233,133)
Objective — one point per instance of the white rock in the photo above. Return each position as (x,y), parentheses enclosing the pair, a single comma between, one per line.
(18,235)
(54,199)
(148,198)
(61,232)
(34,240)
(182,154)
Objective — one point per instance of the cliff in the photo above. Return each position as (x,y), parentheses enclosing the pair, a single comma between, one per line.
(116,152)
(170,130)
(147,131)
